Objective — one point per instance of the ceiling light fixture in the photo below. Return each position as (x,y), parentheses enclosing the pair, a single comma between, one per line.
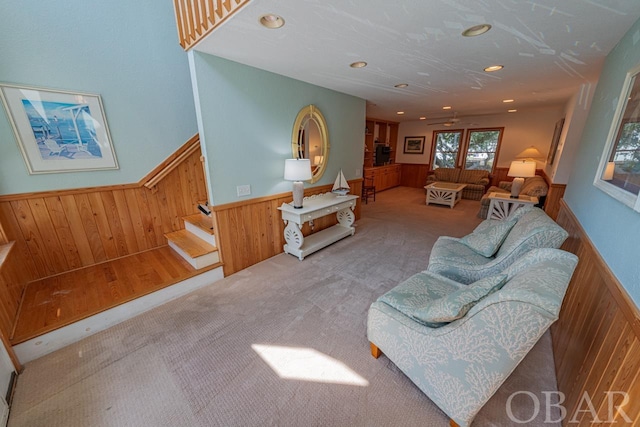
(492,68)
(271,21)
(423,118)
(400,113)
(476,30)
(358,64)
(401,85)
(447,107)
(506,101)
(511,111)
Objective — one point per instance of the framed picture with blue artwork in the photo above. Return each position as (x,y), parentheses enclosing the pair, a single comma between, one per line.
(59,131)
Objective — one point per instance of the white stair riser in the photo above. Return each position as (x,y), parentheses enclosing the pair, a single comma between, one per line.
(200,233)
(198,262)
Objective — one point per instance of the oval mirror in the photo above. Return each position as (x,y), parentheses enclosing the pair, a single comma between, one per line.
(310,140)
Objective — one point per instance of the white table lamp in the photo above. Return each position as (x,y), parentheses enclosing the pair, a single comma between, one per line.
(531,153)
(520,169)
(297,170)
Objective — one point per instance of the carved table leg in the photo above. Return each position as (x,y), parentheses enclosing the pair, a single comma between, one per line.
(346,218)
(293,236)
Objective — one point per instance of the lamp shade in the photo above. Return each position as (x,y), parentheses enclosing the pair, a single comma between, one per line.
(522,168)
(297,169)
(608,172)
(530,153)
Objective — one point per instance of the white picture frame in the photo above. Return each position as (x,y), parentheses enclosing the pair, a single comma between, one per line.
(59,131)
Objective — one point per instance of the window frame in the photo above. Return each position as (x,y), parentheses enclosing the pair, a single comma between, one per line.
(630,199)
(499,129)
(434,139)
(463,149)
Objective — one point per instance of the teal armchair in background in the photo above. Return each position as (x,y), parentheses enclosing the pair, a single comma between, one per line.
(451,258)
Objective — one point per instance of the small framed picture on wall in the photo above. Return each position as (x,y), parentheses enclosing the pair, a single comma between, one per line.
(413,144)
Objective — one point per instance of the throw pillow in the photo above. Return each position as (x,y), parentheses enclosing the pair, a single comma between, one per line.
(488,236)
(456,305)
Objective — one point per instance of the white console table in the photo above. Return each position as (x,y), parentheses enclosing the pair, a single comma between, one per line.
(314,207)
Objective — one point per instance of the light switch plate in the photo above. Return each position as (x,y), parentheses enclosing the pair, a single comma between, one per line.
(243,190)
(357,173)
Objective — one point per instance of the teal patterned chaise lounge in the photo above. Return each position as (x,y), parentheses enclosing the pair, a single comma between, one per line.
(461,364)
(452,258)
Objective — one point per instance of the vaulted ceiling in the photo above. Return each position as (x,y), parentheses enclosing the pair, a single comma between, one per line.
(548,49)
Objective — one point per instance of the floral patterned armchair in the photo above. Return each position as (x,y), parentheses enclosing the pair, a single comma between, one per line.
(461,364)
(450,257)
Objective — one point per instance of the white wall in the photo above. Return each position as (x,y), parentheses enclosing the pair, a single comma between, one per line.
(613,227)
(132,59)
(521,130)
(576,112)
(246,117)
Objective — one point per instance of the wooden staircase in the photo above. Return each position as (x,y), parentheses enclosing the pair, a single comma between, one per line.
(197,242)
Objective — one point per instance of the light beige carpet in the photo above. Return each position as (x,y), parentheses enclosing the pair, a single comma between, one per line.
(195,361)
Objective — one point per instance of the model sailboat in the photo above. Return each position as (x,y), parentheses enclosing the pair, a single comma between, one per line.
(341,186)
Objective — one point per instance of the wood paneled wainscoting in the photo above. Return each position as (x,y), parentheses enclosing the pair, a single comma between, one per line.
(57,232)
(596,341)
(252,231)
(12,284)
(414,175)
(554,196)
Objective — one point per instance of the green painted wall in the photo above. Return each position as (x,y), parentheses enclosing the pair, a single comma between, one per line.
(613,227)
(125,51)
(246,124)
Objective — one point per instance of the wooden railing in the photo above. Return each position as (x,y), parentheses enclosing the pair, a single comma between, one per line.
(197,18)
(165,168)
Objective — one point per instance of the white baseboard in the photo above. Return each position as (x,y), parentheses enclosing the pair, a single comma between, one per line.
(55,340)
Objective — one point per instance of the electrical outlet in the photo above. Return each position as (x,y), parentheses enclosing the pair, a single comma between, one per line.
(357,173)
(243,190)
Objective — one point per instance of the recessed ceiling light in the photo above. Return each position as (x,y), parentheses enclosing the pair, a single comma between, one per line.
(271,21)
(506,101)
(358,64)
(492,68)
(476,30)
(447,124)
(447,107)
(423,118)
(401,85)
(512,111)
(400,113)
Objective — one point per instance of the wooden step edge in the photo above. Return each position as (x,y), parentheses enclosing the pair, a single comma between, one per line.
(201,221)
(50,328)
(190,244)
